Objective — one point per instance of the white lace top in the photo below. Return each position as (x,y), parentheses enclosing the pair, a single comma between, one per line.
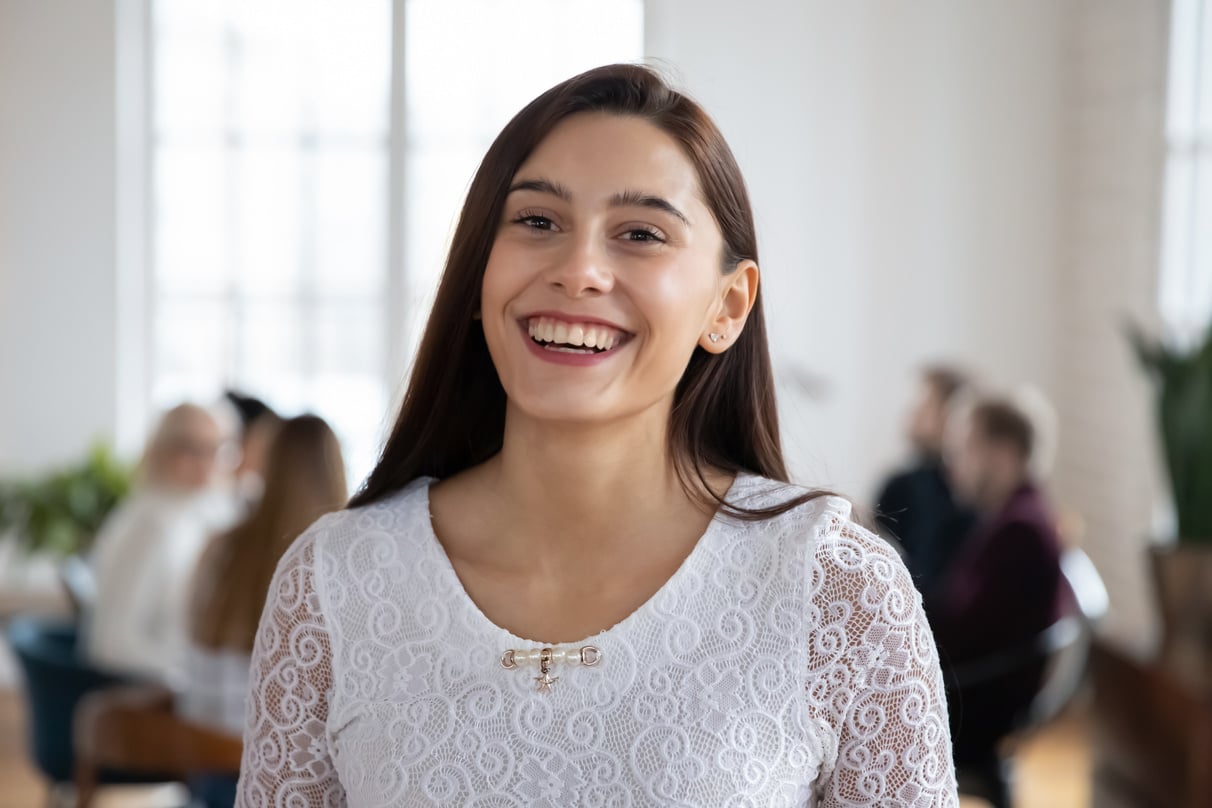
(786,663)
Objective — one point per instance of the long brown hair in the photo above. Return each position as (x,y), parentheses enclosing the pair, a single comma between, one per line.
(304,479)
(453,414)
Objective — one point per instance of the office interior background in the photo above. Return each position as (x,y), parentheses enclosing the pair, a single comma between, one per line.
(258,194)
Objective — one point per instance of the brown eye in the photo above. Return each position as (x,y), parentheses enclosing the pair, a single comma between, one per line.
(643,236)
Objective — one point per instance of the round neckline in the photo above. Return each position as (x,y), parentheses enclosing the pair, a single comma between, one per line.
(717,523)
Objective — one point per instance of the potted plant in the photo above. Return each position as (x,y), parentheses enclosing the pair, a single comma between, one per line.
(60,513)
(1182,383)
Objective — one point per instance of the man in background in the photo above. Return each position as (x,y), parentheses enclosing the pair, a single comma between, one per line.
(1002,591)
(916,507)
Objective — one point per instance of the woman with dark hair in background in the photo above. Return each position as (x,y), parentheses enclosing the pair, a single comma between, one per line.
(578,575)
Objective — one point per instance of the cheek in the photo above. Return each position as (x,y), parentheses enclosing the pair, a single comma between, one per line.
(676,298)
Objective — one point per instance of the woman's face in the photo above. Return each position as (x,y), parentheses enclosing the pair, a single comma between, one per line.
(604,275)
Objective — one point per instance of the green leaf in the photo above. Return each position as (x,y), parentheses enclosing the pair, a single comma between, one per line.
(61,512)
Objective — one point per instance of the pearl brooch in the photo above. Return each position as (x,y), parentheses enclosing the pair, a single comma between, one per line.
(587,655)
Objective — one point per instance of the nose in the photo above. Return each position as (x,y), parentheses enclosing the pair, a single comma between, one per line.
(582,270)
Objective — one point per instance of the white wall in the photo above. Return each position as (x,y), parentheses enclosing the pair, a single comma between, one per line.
(1114,149)
(58,362)
(903,161)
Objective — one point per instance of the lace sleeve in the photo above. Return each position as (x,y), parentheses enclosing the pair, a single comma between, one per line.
(287,761)
(874,679)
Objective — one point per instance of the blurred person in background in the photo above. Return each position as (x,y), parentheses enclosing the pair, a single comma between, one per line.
(147,550)
(1003,590)
(258,425)
(916,506)
(304,479)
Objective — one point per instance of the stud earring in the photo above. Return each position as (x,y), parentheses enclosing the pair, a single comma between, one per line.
(714,337)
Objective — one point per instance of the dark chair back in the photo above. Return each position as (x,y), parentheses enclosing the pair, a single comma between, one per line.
(1056,659)
(56,678)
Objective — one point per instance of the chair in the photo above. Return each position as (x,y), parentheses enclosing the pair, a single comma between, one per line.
(134,729)
(1061,651)
(56,678)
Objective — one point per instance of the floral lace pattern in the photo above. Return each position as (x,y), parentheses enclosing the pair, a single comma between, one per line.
(787,663)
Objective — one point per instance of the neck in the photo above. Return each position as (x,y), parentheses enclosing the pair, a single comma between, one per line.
(596,483)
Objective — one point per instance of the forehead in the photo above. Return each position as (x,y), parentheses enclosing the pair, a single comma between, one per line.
(598,154)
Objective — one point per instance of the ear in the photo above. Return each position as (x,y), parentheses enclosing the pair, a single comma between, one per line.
(737,295)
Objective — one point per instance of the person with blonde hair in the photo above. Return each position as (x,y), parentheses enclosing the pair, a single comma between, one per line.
(147,549)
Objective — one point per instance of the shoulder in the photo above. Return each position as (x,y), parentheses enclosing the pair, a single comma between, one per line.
(813,507)
(395,521)
(846,557)
(824,523)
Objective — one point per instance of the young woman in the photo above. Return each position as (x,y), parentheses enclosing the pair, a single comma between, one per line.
(577,576)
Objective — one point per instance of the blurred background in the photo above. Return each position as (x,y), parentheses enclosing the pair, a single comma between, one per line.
(257,195)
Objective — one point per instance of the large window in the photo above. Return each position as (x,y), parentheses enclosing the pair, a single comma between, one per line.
(289,138)
(1186,287)
(270,138)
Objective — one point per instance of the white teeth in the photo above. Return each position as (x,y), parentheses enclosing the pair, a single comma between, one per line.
(572,335)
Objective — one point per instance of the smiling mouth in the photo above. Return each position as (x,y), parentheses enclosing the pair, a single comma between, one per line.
(575,338)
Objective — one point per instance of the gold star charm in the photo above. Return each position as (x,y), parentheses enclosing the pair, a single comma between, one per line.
(544,679)
(545,682)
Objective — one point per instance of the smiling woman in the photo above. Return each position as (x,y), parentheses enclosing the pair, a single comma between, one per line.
(578,575)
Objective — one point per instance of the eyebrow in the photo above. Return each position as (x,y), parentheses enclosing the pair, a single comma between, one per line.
(639,199)
(622,199)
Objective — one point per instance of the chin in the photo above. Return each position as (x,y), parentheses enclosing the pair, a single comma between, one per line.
(564,412)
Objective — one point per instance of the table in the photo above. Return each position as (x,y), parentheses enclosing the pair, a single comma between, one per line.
(1151,731)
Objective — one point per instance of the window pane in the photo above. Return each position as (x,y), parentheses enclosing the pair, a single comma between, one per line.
(347,341)
(350,208)
(1205,74)
(189,93)
(448,89)
(438,179)
(351,84)
(1184,42)
(270,341)
(270,91)
(195,338)
(358,406)
(191,244)
(269,194)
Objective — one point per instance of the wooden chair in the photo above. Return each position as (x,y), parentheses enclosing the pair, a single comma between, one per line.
(134,729)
